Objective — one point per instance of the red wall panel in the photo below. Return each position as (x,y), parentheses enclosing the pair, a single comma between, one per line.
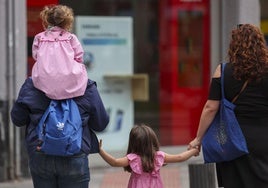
(184,67)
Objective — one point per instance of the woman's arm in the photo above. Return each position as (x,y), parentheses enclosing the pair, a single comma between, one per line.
(119,162)
(209,111)
(170,158)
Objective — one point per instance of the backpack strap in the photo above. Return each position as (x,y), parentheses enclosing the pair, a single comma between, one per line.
(40,126)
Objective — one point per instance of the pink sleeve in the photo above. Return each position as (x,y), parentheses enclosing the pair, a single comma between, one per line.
(135,163)
(78,49)
(35,47)
(159,160)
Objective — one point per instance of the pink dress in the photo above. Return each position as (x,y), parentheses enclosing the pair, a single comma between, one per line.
(140,179)
(59,70)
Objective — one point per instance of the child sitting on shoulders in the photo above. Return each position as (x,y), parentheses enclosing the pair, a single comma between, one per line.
(59,70)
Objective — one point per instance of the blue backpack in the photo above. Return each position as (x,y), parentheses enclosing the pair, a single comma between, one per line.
(60,129)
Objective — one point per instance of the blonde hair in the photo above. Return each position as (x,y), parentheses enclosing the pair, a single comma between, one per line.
(57,15)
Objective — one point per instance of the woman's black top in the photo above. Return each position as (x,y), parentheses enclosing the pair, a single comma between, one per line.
(252,114)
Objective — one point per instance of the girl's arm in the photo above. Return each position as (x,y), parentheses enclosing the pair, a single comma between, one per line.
(78,49)
(170,158)
(120,162)
(35,47)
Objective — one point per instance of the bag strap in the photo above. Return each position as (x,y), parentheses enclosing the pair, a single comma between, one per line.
(242,89)
(222,80)
(222,84)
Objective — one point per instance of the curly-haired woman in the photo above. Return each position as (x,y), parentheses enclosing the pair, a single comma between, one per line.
(248,60)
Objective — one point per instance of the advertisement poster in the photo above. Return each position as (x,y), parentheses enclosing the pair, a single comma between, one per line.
(108,46)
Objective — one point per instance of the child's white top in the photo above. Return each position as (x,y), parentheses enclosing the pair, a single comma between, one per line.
(142,179)
(59,70)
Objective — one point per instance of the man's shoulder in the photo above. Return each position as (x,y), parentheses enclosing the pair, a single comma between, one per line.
(29,82)
(91,83)
(29,89)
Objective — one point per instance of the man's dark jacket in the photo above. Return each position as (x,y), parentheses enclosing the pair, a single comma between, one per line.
(32,103)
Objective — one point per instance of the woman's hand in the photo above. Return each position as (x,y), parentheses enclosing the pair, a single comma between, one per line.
(196,143)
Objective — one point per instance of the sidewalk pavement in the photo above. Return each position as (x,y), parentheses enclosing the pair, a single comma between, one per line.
(103,176)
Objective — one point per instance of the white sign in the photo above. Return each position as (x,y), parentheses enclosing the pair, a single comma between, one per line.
(108,46)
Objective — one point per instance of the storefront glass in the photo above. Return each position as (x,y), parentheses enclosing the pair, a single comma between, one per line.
(169,43)
(145,46)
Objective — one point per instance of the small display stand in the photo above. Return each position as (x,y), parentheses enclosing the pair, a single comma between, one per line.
(139,85)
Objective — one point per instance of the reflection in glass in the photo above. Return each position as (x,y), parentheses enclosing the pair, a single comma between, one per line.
(190,52)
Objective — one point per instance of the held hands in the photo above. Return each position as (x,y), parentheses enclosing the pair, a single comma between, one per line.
(195,150)
(195,144)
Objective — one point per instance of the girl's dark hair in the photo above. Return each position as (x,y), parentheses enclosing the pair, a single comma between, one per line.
(248,52)
(143,142)
(57,15)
